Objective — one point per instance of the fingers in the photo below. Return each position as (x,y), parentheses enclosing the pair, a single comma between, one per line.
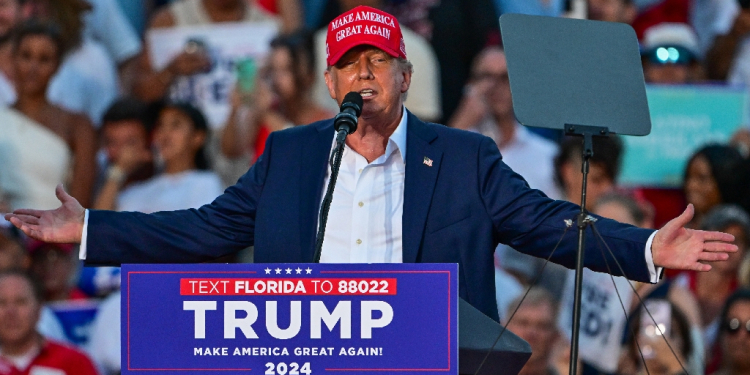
(14,220)
(685,217)
(675,227)
(700,267)
(28,212)
(720,247)
(712,257)
(62,196)
(28,219)
(717,236)
(31,230)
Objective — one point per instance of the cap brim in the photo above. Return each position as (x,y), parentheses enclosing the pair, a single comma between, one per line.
(337,56)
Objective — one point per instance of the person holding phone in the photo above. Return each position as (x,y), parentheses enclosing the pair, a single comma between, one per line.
(275,97)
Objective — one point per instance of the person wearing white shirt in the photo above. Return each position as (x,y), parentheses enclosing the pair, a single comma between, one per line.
(86,80)
(185,182)
(487,108)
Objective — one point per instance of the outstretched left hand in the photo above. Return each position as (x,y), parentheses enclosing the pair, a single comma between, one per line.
(677,247)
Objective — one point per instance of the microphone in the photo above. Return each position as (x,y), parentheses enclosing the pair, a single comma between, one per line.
(345,122)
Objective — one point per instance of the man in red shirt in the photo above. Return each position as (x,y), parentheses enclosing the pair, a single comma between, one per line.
(23,351)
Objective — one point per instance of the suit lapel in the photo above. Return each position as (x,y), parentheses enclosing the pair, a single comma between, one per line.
(314,165)
(419,184)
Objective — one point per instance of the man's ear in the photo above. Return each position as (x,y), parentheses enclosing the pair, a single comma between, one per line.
(330,84)
(407,81)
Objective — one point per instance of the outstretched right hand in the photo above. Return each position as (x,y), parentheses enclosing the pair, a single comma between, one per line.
(61,225)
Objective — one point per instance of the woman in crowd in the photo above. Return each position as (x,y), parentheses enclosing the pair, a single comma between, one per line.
(734,336)
(185,180)
(282,98)
(657,354)
(711,178)
(87,80)
(711,289)
(43,143)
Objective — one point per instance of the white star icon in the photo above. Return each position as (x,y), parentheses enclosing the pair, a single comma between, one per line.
(299,270)
(308,270)
(268,271)
(278,271)
(288,271)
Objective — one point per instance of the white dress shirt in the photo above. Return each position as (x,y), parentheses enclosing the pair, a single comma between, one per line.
(364,222)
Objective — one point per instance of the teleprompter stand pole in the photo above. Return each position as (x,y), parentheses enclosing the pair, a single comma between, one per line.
(583,220)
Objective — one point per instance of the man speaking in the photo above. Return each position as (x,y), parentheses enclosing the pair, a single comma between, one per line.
(407,191)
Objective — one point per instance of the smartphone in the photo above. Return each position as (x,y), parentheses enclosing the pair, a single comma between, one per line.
(247,71)
(661,324)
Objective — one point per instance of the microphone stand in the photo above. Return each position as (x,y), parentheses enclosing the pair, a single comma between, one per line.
(326,206)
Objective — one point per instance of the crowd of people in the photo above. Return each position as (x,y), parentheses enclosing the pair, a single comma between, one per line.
(89,99)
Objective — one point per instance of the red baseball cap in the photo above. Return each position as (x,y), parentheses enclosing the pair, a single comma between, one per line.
(364,25)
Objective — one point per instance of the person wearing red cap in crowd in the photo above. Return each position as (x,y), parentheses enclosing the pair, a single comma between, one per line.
(408,191)
(23,351)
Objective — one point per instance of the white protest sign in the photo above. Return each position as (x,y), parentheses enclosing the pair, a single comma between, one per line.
(602,318)
(226,44)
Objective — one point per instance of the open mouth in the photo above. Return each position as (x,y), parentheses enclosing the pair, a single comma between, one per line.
(366,93)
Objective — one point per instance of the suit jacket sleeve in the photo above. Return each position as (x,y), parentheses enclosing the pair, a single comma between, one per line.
(225,226)
(532,223)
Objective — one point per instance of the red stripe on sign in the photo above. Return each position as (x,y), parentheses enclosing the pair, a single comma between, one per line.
(288,287)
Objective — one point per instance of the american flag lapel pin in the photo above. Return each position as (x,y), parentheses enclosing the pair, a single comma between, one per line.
(427,161)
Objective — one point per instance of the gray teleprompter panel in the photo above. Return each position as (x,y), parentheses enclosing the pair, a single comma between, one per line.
(580,72)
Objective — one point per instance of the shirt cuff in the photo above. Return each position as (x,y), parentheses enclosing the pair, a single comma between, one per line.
(653,271)
(82,249)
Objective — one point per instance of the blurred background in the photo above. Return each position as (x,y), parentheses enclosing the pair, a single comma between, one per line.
(150,105)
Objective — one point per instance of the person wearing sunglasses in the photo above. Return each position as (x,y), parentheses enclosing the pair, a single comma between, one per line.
(669,54)
(735,334)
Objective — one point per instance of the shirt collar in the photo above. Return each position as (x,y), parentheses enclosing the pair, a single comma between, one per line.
(399,135)
(397,140)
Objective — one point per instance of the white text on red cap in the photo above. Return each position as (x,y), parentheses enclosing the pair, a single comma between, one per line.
(357,29)
(362,16)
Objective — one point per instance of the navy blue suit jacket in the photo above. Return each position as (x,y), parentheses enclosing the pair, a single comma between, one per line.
(455,211)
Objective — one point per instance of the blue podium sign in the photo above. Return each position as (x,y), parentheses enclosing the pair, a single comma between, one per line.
(289,319)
